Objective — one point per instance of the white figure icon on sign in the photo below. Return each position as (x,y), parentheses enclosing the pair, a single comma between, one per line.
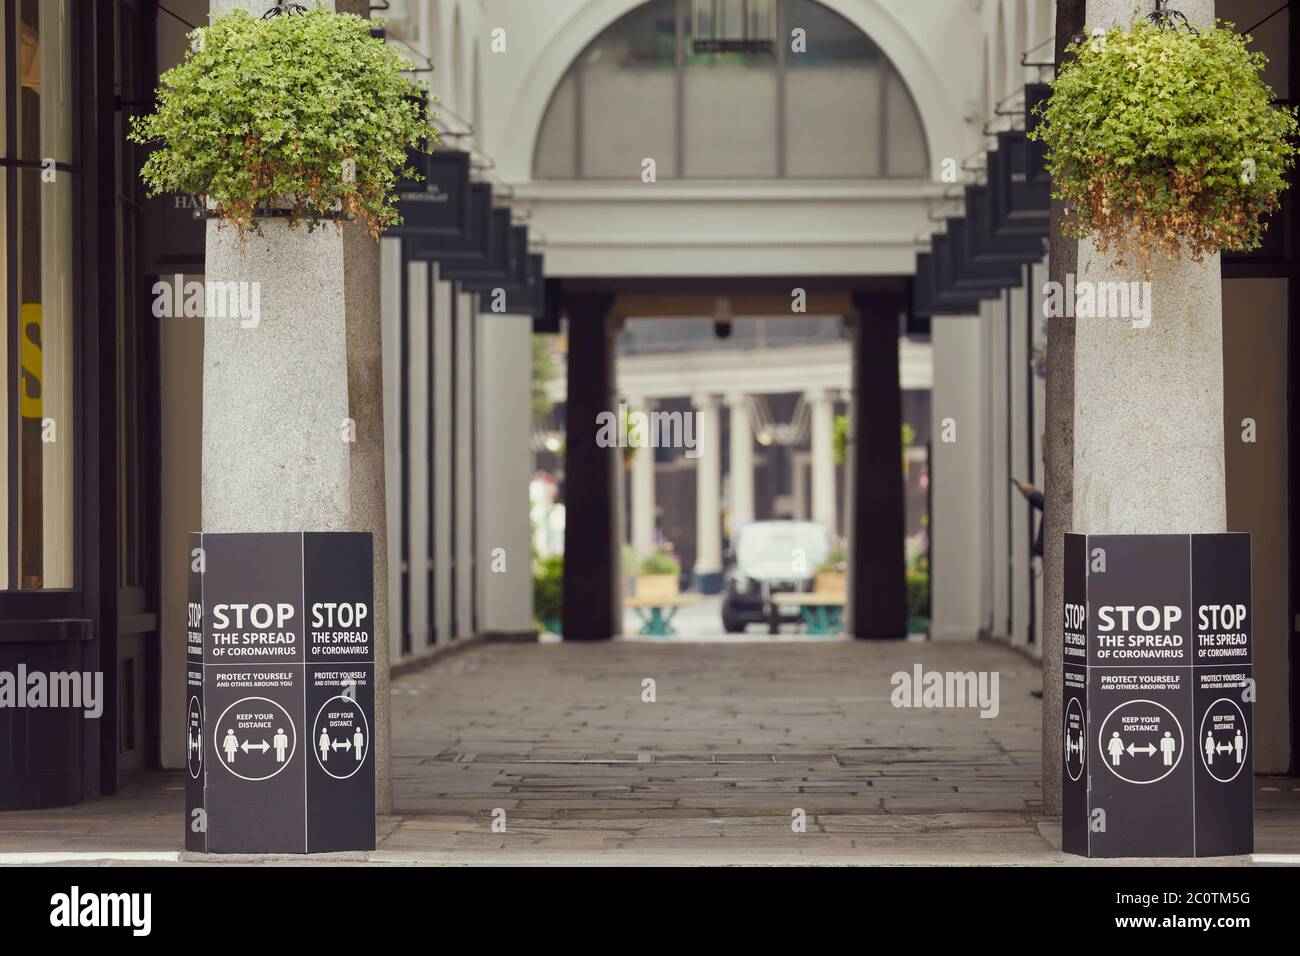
(1167,748)
(1209,747)
(324,744)
(1238,745)
(1115,747)
(230,744)
(281,743)
(357,741)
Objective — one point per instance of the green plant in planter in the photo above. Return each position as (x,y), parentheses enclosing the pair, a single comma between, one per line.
(548,591)
(660,562)
(305,112)
(918,592)
(840,438)
(837,559)
(1161,139)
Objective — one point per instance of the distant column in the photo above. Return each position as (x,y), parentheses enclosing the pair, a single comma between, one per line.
(590,548)
(643,487)
(742,462)
(822,407)
(708,496)
(877,593)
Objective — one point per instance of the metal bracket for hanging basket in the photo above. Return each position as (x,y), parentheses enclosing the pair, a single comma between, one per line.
(288,9)
(1161,16)
(1171,19)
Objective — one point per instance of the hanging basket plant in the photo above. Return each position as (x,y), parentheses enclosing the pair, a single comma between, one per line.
(305,113)
(1162,139)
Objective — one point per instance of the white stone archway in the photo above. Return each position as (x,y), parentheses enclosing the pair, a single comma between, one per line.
(945,131)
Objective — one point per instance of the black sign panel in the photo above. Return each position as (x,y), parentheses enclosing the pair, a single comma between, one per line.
(972,271)
(501,268)
(280,627)
(439,205)
(950,278)
(522,293)
(983,246)
(1223,690)
(340,708)
(1075,817)
(546,320)
(1164,769)
(1016,206)
(472,248)
(174,238)
(927,298)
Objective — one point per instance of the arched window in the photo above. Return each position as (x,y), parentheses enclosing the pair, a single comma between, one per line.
(732,89)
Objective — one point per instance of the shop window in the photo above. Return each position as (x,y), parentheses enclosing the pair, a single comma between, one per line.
(37,425)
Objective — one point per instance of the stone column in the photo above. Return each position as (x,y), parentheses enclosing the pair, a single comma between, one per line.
(1058,461)
(1146,412)
(275,391)
(266,395)
(877,589)
(708,495)
(742,462)
(366,483)
(367,478)
(591,551)
(822,408)
(958,457)
(643,488)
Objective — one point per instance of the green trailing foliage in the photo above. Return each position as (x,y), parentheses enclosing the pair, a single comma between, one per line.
(305,112)
(1161,139)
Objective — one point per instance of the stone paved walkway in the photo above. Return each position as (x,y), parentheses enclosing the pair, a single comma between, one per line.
(556,741)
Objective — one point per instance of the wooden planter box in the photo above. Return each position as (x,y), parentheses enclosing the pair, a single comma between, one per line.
(829,582)
(657,585)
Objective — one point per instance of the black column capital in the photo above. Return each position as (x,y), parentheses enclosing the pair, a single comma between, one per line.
(586,306)
(876,306)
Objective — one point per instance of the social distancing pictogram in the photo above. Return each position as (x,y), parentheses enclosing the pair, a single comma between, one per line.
(255,738)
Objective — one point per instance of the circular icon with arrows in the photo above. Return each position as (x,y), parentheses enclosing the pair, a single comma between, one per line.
(1075,729)
(255,738)
(342,737)
(194,737)
(1224,740)
(1140,741)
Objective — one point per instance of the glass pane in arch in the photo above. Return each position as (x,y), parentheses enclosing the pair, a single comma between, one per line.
(626,95)
(729,125)
(835,97)
(906,153)
(557,141)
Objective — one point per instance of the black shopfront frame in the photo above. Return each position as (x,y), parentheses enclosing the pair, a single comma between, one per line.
(76,628)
